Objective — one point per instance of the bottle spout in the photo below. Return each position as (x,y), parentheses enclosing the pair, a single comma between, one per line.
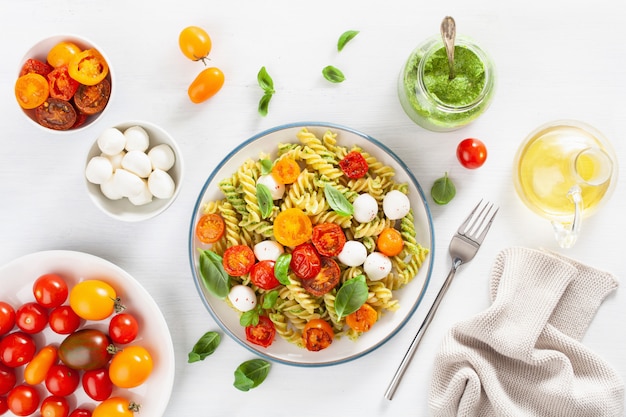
(567,233)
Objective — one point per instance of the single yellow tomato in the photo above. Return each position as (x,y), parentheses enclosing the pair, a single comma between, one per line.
(194,43)
(292,227)
(206,85)
(115,407)
(130,367)
(94,299)
(62,53)
(31,90)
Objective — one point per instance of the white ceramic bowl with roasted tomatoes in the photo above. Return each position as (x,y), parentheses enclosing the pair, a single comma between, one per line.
(80,83)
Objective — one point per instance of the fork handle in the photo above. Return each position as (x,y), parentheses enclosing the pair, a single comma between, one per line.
(395,381)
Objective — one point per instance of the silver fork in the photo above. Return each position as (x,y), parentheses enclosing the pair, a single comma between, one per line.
(463,247)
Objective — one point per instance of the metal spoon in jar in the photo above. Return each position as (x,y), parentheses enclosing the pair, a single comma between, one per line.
(448,33)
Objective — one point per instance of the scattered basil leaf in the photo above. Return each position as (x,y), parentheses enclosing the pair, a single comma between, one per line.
(264,104)
(337,201)
(269,299)
(346,37)
(214,278)
(204,347)
(443,190)
(264,197)
(266,166)
(281,268)
(249,318)
(267,84)
(351,296)
(333,74)
(251,374)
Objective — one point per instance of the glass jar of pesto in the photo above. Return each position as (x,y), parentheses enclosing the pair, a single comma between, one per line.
(437,103)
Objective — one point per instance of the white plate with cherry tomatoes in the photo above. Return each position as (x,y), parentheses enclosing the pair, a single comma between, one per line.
(16,283)
(342,348)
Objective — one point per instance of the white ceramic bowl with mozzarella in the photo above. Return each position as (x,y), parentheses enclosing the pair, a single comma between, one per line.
(342,349)
(133,171)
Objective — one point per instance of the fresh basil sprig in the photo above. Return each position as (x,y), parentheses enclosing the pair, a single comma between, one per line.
(337,201)
(351,296)
(264,197)
(281,268)
(250,374)
(346,37)
(204,347)
(251,317)
(212,273)
(333,74)
(443,190)
(267,84)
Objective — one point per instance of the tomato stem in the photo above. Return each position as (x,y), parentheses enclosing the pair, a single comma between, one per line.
(118,306)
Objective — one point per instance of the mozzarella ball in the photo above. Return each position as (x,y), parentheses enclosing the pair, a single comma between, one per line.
(126,183)
(111,141)
(162,157)
(109,190)
(138,163)
(377,266)
(136,139)
(144,197)
(268,250)
(242,298)
(365,208)
(161,185)
(116,160)
(353,253)
(277,190)
(396,205)
(99,170)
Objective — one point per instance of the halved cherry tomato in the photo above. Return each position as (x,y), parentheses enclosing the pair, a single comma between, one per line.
(31,90)
(471,153)
(262,275)
(97,384)
(305,261)
(7,318)
(210,228)
(123,328)
(16,349)
(328,239)
(7,379)
(194,43)
(37,369)
(62,86)
(94,299)
(206,85)
(85,350)
(286,171)
(130,367)
(238,260)
(263,333)
(81,117)
(62,53)
(63,320)
(115,407)
(92,99)
(31,318)
(354,165)
(56,114)
(325,280)
(363,319)
(54,406)
(292,227)
(390,242)
(88,67)
(62,380)
(36,66)
(50,290)
(317,335)
(23,400)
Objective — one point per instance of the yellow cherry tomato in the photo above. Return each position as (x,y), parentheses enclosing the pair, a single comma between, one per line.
(94,300)
(292,227)
(206,85)
(62,53)
(115,407)
(88,67)
(286,171)
(194,43)
(390,242)
(130,367)
(36,370)
(31,90)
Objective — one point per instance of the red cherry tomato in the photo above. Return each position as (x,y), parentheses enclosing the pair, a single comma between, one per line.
(62,86)
(328,239)
(262,275)
(317,335)
(305,261)
(80,412)
(354,165)
(31,318)
(63,320)
(54,406)
(263,333)
(471,153)
(50,290)
(123,328)
(16,349)
(325,280)
(97,384)
(7,318)
(238,260)
(36,66)
(7,379)
(62,380)
(23,400)
(4,407)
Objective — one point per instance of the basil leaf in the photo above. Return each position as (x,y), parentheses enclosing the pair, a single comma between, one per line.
(269,299)
(249,318)
(346,37)
(214,278)
(265,81)
(333,74)
(264,104)
(264,197)
(443,190)
(281,268)
(251,374)
(337,201)
(351,296)
(204,347)
(266,166)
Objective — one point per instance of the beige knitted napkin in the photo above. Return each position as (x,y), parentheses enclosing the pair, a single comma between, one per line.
(523,356)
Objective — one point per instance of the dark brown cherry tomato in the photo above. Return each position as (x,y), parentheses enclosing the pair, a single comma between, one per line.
(54,406)
(63,320)
(123,328)
(85,349)
(7,318)
(56,114)
(92,99)
(262,275)
(305,261)
(50,290)
(354,165)
(17,349)
(328,239)
(23,400)
(97,384)
(7,379)
(317,335)
(263,333)
(81,118)
(325,280)
(62,86)
(31,318)
(36,66)
(62,380)
(238,260)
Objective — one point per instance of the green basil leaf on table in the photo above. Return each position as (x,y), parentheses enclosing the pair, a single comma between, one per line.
(346,37)
(264,104)
(265,81)
(337,201)
(281,268)
(264,197)
(214,278)
(204,347)
(351,296)
(251,374)
(333,74)
(443,190)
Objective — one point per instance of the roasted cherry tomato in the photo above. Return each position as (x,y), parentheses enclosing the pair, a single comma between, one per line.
(92,99)
(50,290)
(97,384)
(7,318)
(130,367)
(31,90)
(81,117)
(325,280)
(94,299)
(88,67)
(194,43)
(23,400)
(206,85)
(62,380)
(54,406)
(471,153)
(354,165)
(85,349)
(262,275)
(210,228)
(292,227)
(37,369)
(80,412)
(16,349)
(56,114)
(62,53)
(123,328)
(62,86)
(390,242)
(286,171)
(63,320)
(263,333)
(7,379)
(238,260)
(363,319)
(328,239)
(305,261)
(115,407)
(317,335)
(36,66)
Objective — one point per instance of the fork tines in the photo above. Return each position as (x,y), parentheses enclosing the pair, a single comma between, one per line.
(477,224)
